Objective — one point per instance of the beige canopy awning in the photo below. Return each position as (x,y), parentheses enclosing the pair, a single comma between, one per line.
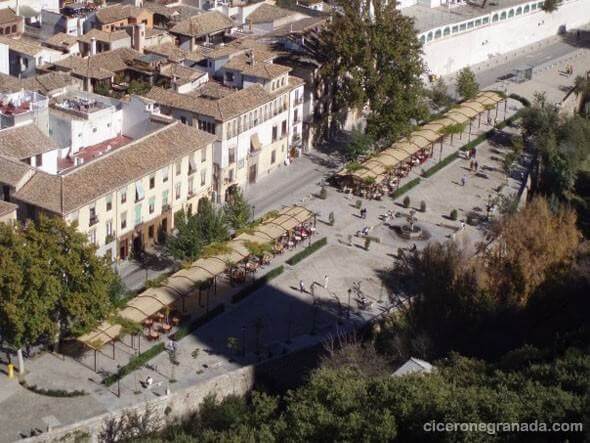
(185,281)
(400,151)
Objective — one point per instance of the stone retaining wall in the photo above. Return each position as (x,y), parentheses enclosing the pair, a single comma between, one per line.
(175,405)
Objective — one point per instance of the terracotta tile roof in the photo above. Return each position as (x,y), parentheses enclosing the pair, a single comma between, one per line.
(8,83)
(6,208)
(200,25)
(24,46)
(21,142)
(157,8)
(42,83)
(99,66)
(268,13)
(13,171)
(105,174)
(221,109)
(61,40)
(297,27)
(45,83)
(174,53)
(266,71)
(103,36)
(115,13)
(260,69)
(182,73)
(7,15)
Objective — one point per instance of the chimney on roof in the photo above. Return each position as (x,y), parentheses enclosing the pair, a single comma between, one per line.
(139,37)
(17,7)
(93,46)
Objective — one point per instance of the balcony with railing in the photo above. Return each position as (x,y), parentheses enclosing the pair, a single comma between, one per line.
(93,220)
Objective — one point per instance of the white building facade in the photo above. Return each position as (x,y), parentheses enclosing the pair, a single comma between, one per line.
(465,35)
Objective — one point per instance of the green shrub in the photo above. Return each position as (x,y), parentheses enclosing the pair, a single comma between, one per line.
(406,201)
(423,206)
(257,284)
(454,214)
(307,251)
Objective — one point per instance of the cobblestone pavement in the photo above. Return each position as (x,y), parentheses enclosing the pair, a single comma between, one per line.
(277,318)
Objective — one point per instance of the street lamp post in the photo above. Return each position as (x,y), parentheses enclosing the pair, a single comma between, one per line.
(118,382)
(348,311)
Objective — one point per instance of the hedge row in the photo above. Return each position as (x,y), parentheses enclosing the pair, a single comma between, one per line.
(405,188)
(441,164)
(257,284)
(135,363)
(307,251)
(186,329)
(52,392)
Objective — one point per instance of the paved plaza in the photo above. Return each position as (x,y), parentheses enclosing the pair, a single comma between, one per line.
(278,318)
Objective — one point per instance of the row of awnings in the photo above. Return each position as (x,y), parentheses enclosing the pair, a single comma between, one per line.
(379,166)
(184,282)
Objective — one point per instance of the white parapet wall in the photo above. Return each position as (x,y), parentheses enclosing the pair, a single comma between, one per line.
(448,54)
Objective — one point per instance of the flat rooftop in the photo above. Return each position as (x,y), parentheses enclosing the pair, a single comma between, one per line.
(426,18)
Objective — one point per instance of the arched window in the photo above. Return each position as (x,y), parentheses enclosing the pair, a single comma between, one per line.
(518,10)
(486,20)
(511,13)
(533,6)
(455,29)
(429,37)
(526,9)
(1,31)
(422,39)
(495,18)
(503,16)
(447,31)
(438,33)
(13,28)
(469,25)
(477,22)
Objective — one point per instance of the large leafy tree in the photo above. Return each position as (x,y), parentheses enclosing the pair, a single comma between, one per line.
(52,283)
(195,232)
(467,85)
(237,210)
(85,280)
(373,61)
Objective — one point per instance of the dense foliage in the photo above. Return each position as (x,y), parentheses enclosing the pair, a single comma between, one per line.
(372,60)
(564,147)
(467,85)
(195,232)
(52,284)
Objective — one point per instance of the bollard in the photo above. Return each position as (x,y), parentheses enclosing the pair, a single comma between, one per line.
(10,370)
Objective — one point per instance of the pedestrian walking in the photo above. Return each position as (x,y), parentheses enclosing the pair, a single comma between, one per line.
(471,165)
(301,286)
(325,282)
(475,166)
(312,290)
(149,381)
(462,225)
(463,180)
(473,153)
